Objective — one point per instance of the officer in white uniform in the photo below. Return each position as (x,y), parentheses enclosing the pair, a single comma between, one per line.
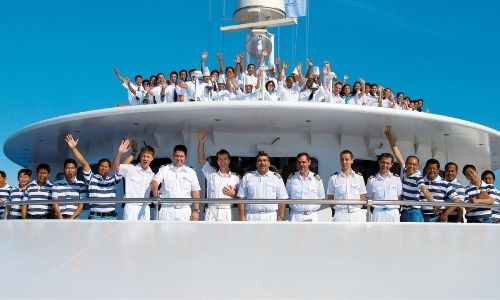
(177,181)
(221,182)
(304,184)
(347,185)
(137,180)
(384,186)
(262,184)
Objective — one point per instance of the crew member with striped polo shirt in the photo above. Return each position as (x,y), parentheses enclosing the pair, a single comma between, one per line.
(489,177)
(100,185)
(39,190)
(478,192)
(4,194)
(68,188)
(456,214)
(411,181)
(17,194)
(441,190)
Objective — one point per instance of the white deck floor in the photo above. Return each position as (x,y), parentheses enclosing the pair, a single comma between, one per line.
(92,259)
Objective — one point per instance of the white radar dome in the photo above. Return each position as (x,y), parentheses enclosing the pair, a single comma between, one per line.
(248,11)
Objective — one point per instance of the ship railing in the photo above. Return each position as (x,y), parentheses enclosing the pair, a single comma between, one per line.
(156,202)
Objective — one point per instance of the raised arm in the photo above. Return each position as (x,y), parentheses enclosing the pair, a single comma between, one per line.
(221,63)
(282,72)
(394,147)
(301,79)
(239,64)
(204,56)
(122,149)
(118,75)
(72,144)
(202,137)
(309,67)
(277,64)
(130,87)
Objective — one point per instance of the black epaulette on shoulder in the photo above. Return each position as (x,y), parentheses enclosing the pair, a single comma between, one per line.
(373,176)
(336,173)
(192,168)
(163,165)
(317,177)
(395,174)
(291,175)
(277,174)
(246,173)
(359,173)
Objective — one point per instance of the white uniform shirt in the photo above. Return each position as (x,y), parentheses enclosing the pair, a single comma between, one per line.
(245,96)
(370,100)
(380,188)
(222,95)
(131,97)
(216,181)
(336,99)
(318,95)
(346,187)
(310,187)
(256,186)
(177,182)
(137,180)
(286,94)
(194,90)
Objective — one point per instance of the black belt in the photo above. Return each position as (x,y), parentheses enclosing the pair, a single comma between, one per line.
(45,216)
(103,214)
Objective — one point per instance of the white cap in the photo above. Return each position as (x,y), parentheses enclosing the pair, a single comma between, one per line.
(197,73)
(206,71)
(220,80)
(295,71)
(315,70)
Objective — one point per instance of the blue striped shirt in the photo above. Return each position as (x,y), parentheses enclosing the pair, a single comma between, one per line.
(411,186)
(441,190)
(460,189)
(472,191)
(16,194)
(99,187)
(496,211)
(4,195)
(64,190)
(43,193)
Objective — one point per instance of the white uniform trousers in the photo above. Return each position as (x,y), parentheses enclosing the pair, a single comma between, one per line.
(262,216)
(304,216)
(218,213)
(175,213)
(133,211)
(381,214)
(343,215)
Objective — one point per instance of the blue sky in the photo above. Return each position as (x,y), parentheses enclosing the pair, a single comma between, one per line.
(58,56)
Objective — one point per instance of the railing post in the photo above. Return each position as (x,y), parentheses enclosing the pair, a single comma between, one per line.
(368,210)
(157,209)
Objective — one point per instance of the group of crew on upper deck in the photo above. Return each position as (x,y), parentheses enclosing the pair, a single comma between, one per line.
(178,181)
(269,83)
